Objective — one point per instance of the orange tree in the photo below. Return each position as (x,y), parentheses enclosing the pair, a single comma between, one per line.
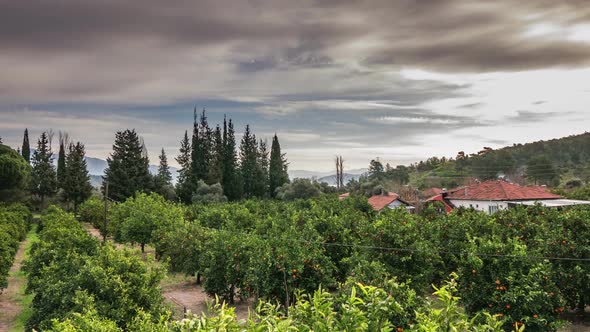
(396,240)
(503,278)
(568,241)
(14,223)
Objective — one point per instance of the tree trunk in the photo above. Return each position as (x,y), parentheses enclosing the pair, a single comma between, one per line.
(198,278)
(143,248)
(231,294)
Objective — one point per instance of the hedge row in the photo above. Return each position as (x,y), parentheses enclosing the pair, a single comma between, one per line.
(70,273)
(14,225)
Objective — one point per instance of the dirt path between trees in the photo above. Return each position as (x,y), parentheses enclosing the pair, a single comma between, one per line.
(184,293)
(10,306)
(190,297)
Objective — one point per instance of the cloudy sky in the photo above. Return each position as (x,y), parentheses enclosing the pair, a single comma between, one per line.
(400,80)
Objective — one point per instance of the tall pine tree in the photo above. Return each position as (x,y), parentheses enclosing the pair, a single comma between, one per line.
(216,164)
(261,172)
(231,181)
(61,166)
(248,162)
(26,149)
(183,183)
(76,183)
(164,176)
(127,167)
(201,149)
(195,152)
(277,167)
(163,180)
(43,179)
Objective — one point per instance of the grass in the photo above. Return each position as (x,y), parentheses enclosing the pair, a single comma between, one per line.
(21,297)
(174,279)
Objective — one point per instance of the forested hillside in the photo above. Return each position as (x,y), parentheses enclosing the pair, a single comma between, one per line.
(563,162)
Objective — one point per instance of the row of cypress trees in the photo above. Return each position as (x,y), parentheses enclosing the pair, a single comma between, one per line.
(209,156)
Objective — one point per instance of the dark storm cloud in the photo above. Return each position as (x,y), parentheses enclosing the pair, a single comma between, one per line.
(449,35)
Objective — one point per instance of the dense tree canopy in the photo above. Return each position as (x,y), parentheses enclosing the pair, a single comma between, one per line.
(127,167)
(43,180)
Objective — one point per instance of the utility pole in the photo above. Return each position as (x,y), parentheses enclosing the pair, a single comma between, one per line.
(104,225)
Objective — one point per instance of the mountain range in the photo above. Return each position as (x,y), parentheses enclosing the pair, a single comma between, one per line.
(96,167)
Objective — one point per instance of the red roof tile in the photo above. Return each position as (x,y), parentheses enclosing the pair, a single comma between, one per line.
(431,192)
(439,198)
(499,191)
(378,202)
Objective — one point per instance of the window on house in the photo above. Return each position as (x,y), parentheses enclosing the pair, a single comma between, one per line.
(493,209)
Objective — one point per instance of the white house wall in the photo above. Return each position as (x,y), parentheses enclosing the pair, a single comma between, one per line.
(479,205)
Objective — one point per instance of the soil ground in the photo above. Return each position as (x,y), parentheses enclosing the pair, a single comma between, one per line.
(11,297)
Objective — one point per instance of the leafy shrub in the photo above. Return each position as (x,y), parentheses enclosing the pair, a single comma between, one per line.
(69,272)
(92,211)
(139,218)
(14,224)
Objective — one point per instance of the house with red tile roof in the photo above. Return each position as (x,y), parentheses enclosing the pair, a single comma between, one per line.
(448,207)
(494,195)
(430,192)
(389,200)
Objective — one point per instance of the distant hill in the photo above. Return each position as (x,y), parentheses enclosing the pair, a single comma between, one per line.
(96,181)
(329,177)
(96,167)
(553,162)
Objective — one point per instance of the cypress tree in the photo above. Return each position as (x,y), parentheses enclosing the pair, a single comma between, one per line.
(261,178)
(195,153)
(248,162)
(216,165)
(206,141)
(183,183)
(61,166)
(202,147)
(26,149)
(127,169)
(76,185)
(43,180)
(232,185)
(277,167)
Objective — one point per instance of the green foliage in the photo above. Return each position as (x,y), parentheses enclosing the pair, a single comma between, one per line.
(541,170)
(43,180)
(208,194)
(92,211)
(14,224)
(277,167)
(127,167)
(76,181)
(139,218)
(417,258)
(61,165)
(513,286)
(231,180)
(183,184)
(15,172)
(69,273)
(202,143)
(298,189)
(26,148)
(163,180)
(357,308)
